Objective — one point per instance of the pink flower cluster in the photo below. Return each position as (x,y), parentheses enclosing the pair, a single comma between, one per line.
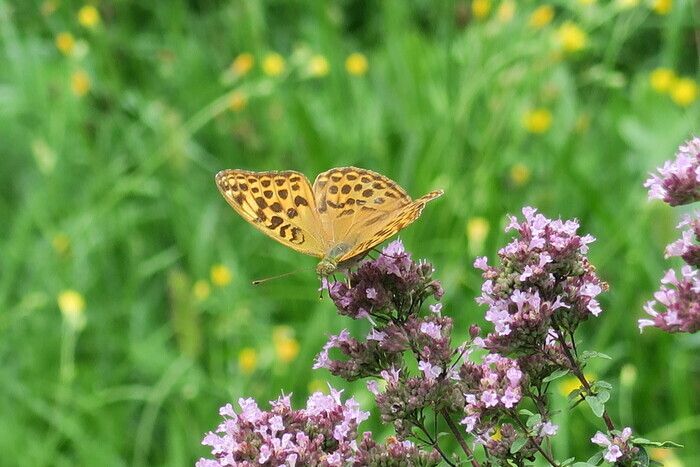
(680,298)
(543,278)
(324,433)
(494,385)
(617,447)
(678,182)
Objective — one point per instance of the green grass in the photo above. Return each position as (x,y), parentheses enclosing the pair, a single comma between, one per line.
(126,173)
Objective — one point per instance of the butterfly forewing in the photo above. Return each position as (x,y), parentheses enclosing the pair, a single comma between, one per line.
(279,204)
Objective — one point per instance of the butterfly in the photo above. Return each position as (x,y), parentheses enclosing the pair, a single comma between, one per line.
(339,219)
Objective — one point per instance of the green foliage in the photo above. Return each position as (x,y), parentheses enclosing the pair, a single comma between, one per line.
(107,158)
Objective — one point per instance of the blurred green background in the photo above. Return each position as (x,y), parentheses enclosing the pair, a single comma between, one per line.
(126,311)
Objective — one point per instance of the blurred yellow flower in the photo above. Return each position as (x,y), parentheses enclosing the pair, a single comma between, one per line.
(541,17)
(65,42)
(583,122)
(247,360)
(317,385)
(497,436)
(665,456)
(571,383)
(237,101)
(628,375)
(506,11)
(88,16)
(661,79)
(662,7)
(626,4)
(318,66)
(537,120)
(201,290)
(80,83)
(571,37)
(72,306)
(48,7)
(477,230)
(61,243)
(273,64)
(242,64)
(356,64)
(286,346)
(519,174)
(684,91)
(220,275)
(481,8)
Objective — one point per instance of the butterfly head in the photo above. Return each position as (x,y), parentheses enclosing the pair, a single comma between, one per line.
(326,267)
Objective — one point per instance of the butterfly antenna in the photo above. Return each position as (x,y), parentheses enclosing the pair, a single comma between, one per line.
(266,279)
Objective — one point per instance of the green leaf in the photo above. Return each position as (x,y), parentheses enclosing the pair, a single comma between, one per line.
(596,405)
(658,444)
(642,458)
(566,462)
(517,445)
(525,412)
(595,458)
(555,375)
(603,384)
(603,396)
(583,464)
(589,354)
(533,420)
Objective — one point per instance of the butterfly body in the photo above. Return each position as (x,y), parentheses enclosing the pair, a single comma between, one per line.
(344,214)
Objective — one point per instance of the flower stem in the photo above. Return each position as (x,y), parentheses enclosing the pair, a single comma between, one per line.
(544,453)
(576,368)
(460,439)
(433,442)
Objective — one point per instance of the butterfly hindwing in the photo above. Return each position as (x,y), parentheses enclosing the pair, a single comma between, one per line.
(279,204)
(386,227)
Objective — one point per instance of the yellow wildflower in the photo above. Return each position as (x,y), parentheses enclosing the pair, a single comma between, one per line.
(481,8)
(356,64)
(88,16)
(247,360)
(242,64)
(519,174)
(317,385)
(571,383)
(506,11)
(65,43)
(201,290)
(318,66)
(220,275)
(662,7)
(80,83)
(477,231)
(497,436)
(273,64)
(684,91)
(626,4)
(237,101)
(571,37)
(537,120)
(541,17)
(72,306)
(628,375)
(61,243)
(665,456)
(661,79)
(286,346)
(48,7)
